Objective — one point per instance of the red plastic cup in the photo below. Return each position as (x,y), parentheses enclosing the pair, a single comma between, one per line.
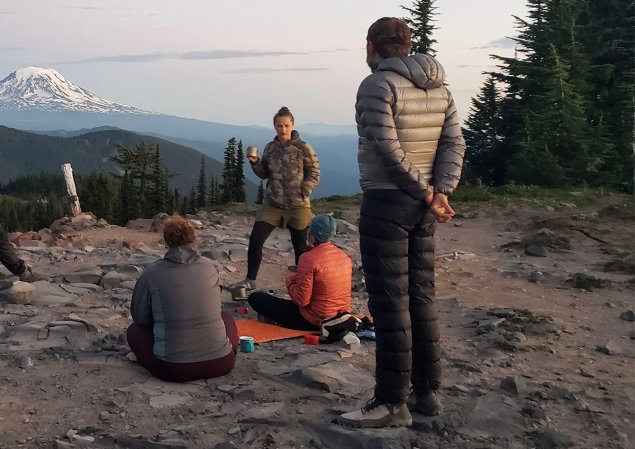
(312,339)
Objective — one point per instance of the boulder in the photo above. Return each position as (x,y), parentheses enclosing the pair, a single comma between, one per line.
(113,279)
(536,251)
(86,276)
(20,293)
(158,222)
(495,415)
(140,224)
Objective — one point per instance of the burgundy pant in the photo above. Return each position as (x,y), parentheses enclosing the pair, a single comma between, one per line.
(141,341)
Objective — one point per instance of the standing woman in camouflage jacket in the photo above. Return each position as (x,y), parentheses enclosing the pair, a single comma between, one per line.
(292,171)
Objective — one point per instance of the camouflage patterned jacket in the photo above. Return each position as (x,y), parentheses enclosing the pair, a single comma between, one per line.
(292,171)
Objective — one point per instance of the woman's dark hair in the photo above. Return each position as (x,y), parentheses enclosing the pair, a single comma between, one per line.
(391,37)
(283,112)
(178,232)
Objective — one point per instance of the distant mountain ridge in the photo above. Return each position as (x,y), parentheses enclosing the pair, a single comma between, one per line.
(24,153)
(336,148)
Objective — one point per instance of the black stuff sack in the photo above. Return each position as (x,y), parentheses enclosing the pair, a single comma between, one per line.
(333,329)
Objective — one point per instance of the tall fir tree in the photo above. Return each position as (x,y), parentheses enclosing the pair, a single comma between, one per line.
(484,157)
(421,22)
(609,39)
(214,197)
(157,194)
(558,133)
(261,193)
(239,176)
(177,202)
(201,187)
(128,201)
(99,194)
(184,207)
(138,163)
(171,195)
(191,202)
(522,75)
(228,187)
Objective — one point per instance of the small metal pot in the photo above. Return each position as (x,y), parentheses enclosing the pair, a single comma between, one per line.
(239,294)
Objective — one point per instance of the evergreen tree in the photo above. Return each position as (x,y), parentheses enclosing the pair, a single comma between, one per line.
(566,35)
(261,193)
(99,193)
(201,189)
(15,214)
(420,21)
(522,75)
(558,133)
(184,207)
(214,198)
(138,163)
(609,39)
(228,187)
(128,205)
(157,194)
(177,203)
(191,202)
(171,195)
(239,176)
(43,211)
(484,159)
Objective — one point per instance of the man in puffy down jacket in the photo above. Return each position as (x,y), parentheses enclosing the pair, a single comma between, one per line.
(410,158)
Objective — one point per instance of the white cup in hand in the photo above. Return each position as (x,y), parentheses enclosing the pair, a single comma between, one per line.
(252,154)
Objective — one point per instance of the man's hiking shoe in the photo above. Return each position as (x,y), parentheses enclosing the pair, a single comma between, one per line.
(427,404)
(29,276)
(376,414)
(249,284)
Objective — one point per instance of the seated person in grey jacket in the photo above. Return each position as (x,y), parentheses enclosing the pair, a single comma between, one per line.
(179,332)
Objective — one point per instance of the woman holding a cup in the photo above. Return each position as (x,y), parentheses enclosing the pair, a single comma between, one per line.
(292,171)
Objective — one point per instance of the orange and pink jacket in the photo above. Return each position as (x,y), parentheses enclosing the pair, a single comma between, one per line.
(321,287)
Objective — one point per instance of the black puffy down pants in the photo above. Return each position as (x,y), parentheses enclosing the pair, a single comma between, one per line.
(397,246)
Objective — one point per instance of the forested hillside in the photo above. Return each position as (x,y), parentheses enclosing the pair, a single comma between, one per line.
(23,153)
(561,111)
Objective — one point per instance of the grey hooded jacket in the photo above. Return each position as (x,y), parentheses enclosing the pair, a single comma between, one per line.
(179,296)
(409,132)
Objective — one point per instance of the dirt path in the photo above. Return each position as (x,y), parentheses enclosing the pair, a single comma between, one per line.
(82,391)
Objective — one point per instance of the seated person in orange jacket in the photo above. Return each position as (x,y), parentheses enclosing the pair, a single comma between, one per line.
(319,288)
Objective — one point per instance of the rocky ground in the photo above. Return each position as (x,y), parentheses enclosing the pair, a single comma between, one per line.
(537,310)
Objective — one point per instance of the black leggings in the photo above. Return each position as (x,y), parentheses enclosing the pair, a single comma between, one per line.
(259,234)
(282,311)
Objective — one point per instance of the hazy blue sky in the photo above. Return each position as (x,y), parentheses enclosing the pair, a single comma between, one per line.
(238,61)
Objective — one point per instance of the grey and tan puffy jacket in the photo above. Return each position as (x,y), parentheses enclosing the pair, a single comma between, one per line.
(179,296)
(292,171)
(409,132)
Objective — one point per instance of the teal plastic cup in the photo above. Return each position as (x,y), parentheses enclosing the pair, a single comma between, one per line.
(247,344)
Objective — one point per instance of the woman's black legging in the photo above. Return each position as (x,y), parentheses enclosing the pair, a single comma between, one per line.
(282,311)
(259,234)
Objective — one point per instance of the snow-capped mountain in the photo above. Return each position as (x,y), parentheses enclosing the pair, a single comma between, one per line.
(37,89)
